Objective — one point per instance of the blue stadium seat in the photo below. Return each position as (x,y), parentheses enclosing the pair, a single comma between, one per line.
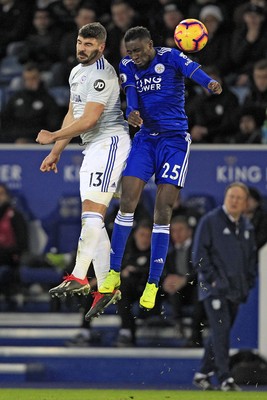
(42,275)
(63,225)
(201,202)
(9,68)
(61,95)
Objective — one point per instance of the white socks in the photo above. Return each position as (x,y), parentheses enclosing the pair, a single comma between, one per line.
(102,257)
(91,231)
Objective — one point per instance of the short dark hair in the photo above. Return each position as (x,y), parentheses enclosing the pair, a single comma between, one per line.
(93,30)
(138,32)
(261,64)
(31,66)
(181,219)
(255,194)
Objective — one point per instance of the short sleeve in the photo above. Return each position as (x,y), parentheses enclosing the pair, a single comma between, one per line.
(126,73)
(183,63)
(100,86)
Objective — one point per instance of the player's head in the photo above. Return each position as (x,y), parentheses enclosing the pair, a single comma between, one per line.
(139,46)
(235,199)
(31,77)
(90,43)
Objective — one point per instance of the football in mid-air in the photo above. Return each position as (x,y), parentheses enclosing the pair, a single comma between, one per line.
(190,35)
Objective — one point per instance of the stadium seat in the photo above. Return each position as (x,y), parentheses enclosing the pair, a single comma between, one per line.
(63,225)
(61,95)
(42,275)
(9,68)
(201,202)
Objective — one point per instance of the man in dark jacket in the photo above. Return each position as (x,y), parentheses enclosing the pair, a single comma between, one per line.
(224,253)
(29,109)
(13,242)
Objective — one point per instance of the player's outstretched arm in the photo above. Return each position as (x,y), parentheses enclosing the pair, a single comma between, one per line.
(50,162)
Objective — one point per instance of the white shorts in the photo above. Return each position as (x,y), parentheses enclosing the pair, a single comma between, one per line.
(103,164)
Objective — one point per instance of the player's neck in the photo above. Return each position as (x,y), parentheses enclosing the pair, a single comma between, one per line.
(94,60)
(153,54)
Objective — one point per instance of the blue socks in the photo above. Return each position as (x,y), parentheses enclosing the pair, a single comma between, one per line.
(159,245)
(159,249)
(121,231)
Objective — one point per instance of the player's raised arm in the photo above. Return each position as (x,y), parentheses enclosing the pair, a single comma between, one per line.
(50,162)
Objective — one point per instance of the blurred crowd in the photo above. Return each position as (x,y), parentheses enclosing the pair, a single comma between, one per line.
(37,53)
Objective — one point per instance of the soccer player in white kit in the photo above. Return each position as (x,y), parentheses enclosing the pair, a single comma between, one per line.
(94,114)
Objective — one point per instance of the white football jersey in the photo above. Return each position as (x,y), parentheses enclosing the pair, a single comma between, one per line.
(98,83)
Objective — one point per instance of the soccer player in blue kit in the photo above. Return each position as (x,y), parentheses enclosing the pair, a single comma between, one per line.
(153,80)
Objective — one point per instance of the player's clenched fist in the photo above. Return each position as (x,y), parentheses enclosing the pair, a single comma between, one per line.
(134,119)
(50,163)
(215,87)
(45,137)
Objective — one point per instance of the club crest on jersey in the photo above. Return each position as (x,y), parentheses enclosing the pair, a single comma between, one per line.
(83,79)
(99,85)
(159,68)
(123,78)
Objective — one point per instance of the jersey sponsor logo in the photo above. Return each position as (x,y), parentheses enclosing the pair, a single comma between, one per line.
(99,85)
(123,78)
(159,68)
(149,84)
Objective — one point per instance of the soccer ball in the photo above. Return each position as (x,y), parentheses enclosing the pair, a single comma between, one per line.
(190,35)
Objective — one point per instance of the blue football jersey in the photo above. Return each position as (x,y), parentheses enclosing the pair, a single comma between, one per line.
(161,89)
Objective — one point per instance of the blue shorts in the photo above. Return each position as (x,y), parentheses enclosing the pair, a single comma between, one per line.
(163,155)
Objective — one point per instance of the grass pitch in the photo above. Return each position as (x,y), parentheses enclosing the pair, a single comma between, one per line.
(125,394)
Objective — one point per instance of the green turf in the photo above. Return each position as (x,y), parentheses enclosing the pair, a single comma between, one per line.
(126,394)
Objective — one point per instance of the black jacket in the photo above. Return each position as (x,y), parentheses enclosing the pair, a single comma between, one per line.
(225,261)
